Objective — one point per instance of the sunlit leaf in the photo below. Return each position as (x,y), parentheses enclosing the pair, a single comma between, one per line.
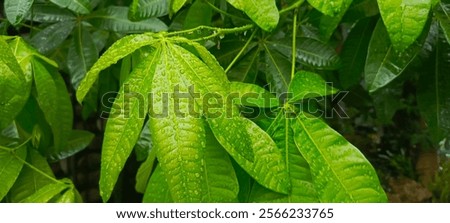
(404,20)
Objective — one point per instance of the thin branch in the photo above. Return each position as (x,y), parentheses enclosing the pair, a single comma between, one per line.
(241,52)
(224,12)
(294,43)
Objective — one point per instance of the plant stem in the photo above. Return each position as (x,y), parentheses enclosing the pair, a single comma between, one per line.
(294,43)
(292,7)
(217,31)
(223,12)
(241,52)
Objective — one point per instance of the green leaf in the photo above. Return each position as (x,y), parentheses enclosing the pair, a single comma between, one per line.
(178,134)
(221,181)
(384,63)
(16,10)
(52,36)
(46,193)
(49,13)
(309,52)
(278,71)
(309,85)
(339,170)
(77,6)
(117,51)
(387,101)
(200,13)
(361,9)
(124,123)
(330,7)
(175,6)
(25,54)
(115,18)
(299,172)
(143,9)
(77,141)
(354,53)
(243,140)
(263,12)
(54,99)
(144,144)
(82,54)
(442,13)
(329,23)
(14,84)
(144,172)
(246,69)
(29,180)
(404,20)
(70,196)
(10,167)
(253,95)
(432,96)
(157,189)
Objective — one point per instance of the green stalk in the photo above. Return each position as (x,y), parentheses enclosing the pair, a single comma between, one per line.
(241,52)
(294,43)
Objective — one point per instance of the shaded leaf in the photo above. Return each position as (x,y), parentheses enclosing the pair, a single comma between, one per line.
(278,71)
(339,171)
(383,63)
(82,54)
(144,144)
(354,53)
(310,52)
(404,20)
(442,13)
(143,9)
(77,6)
(263,12)
(52,36)
(246,69)
(432,96)
(76,142)
(49,13)
(16,10)
(115,18)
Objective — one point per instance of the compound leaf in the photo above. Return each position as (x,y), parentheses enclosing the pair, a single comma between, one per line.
(143,9)
(330,7)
